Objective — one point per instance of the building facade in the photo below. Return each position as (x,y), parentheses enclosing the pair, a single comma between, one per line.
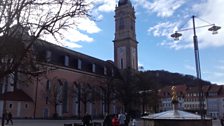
(166,97)
(188,97)
(68,83)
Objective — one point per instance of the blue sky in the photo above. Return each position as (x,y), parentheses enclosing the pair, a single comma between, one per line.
(156,20)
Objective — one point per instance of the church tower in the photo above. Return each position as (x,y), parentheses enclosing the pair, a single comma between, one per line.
(125,43)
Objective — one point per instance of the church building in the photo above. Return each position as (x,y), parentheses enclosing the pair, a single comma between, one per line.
(70,83)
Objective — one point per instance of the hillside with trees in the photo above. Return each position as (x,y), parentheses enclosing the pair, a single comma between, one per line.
(160,78)
(136,90)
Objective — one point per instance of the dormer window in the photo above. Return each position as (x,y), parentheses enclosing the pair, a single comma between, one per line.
(93,68)
(79,64)
(66,61)
(48,55)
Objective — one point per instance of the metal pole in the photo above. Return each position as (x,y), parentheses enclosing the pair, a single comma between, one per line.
(198,69)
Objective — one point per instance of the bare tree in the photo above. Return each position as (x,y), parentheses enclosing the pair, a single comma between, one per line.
(54,93)
(108,92)
(126,87)
(22,22)
(84,93)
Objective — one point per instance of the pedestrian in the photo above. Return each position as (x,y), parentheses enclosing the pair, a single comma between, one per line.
(127,120)
(115,121)
(87,119)
(133,122)
(222,121)
(122,118)
(9,118)
(107,120)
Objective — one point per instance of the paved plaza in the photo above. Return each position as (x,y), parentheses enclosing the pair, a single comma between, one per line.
(62,122)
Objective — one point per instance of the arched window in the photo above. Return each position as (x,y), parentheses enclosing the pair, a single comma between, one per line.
(65,97)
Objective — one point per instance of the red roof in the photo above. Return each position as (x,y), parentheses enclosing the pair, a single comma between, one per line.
(17,95)
(215,88)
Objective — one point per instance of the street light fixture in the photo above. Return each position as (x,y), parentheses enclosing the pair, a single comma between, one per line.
(214,29)
(176,36)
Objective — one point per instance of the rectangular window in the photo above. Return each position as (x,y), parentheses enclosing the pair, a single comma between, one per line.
(10,105)
(79,64)
(48,56)
(105,71)
(47,99)
(26,106)
(66,60)
(122,64)
(48,85)
(93,68)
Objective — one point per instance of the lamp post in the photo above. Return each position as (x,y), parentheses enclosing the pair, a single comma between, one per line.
(176,36)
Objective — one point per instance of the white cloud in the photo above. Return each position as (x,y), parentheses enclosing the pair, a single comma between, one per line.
(215,74)
(163,29)
(163,8)
(84,26)
(211,11)
(220,66)
(166,8)
(216,77)
(69,39)
(106,5)
(208,12)
(87,25)
(190,67)
(74,35)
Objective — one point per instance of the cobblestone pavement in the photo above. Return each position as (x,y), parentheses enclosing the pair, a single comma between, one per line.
(62,122)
